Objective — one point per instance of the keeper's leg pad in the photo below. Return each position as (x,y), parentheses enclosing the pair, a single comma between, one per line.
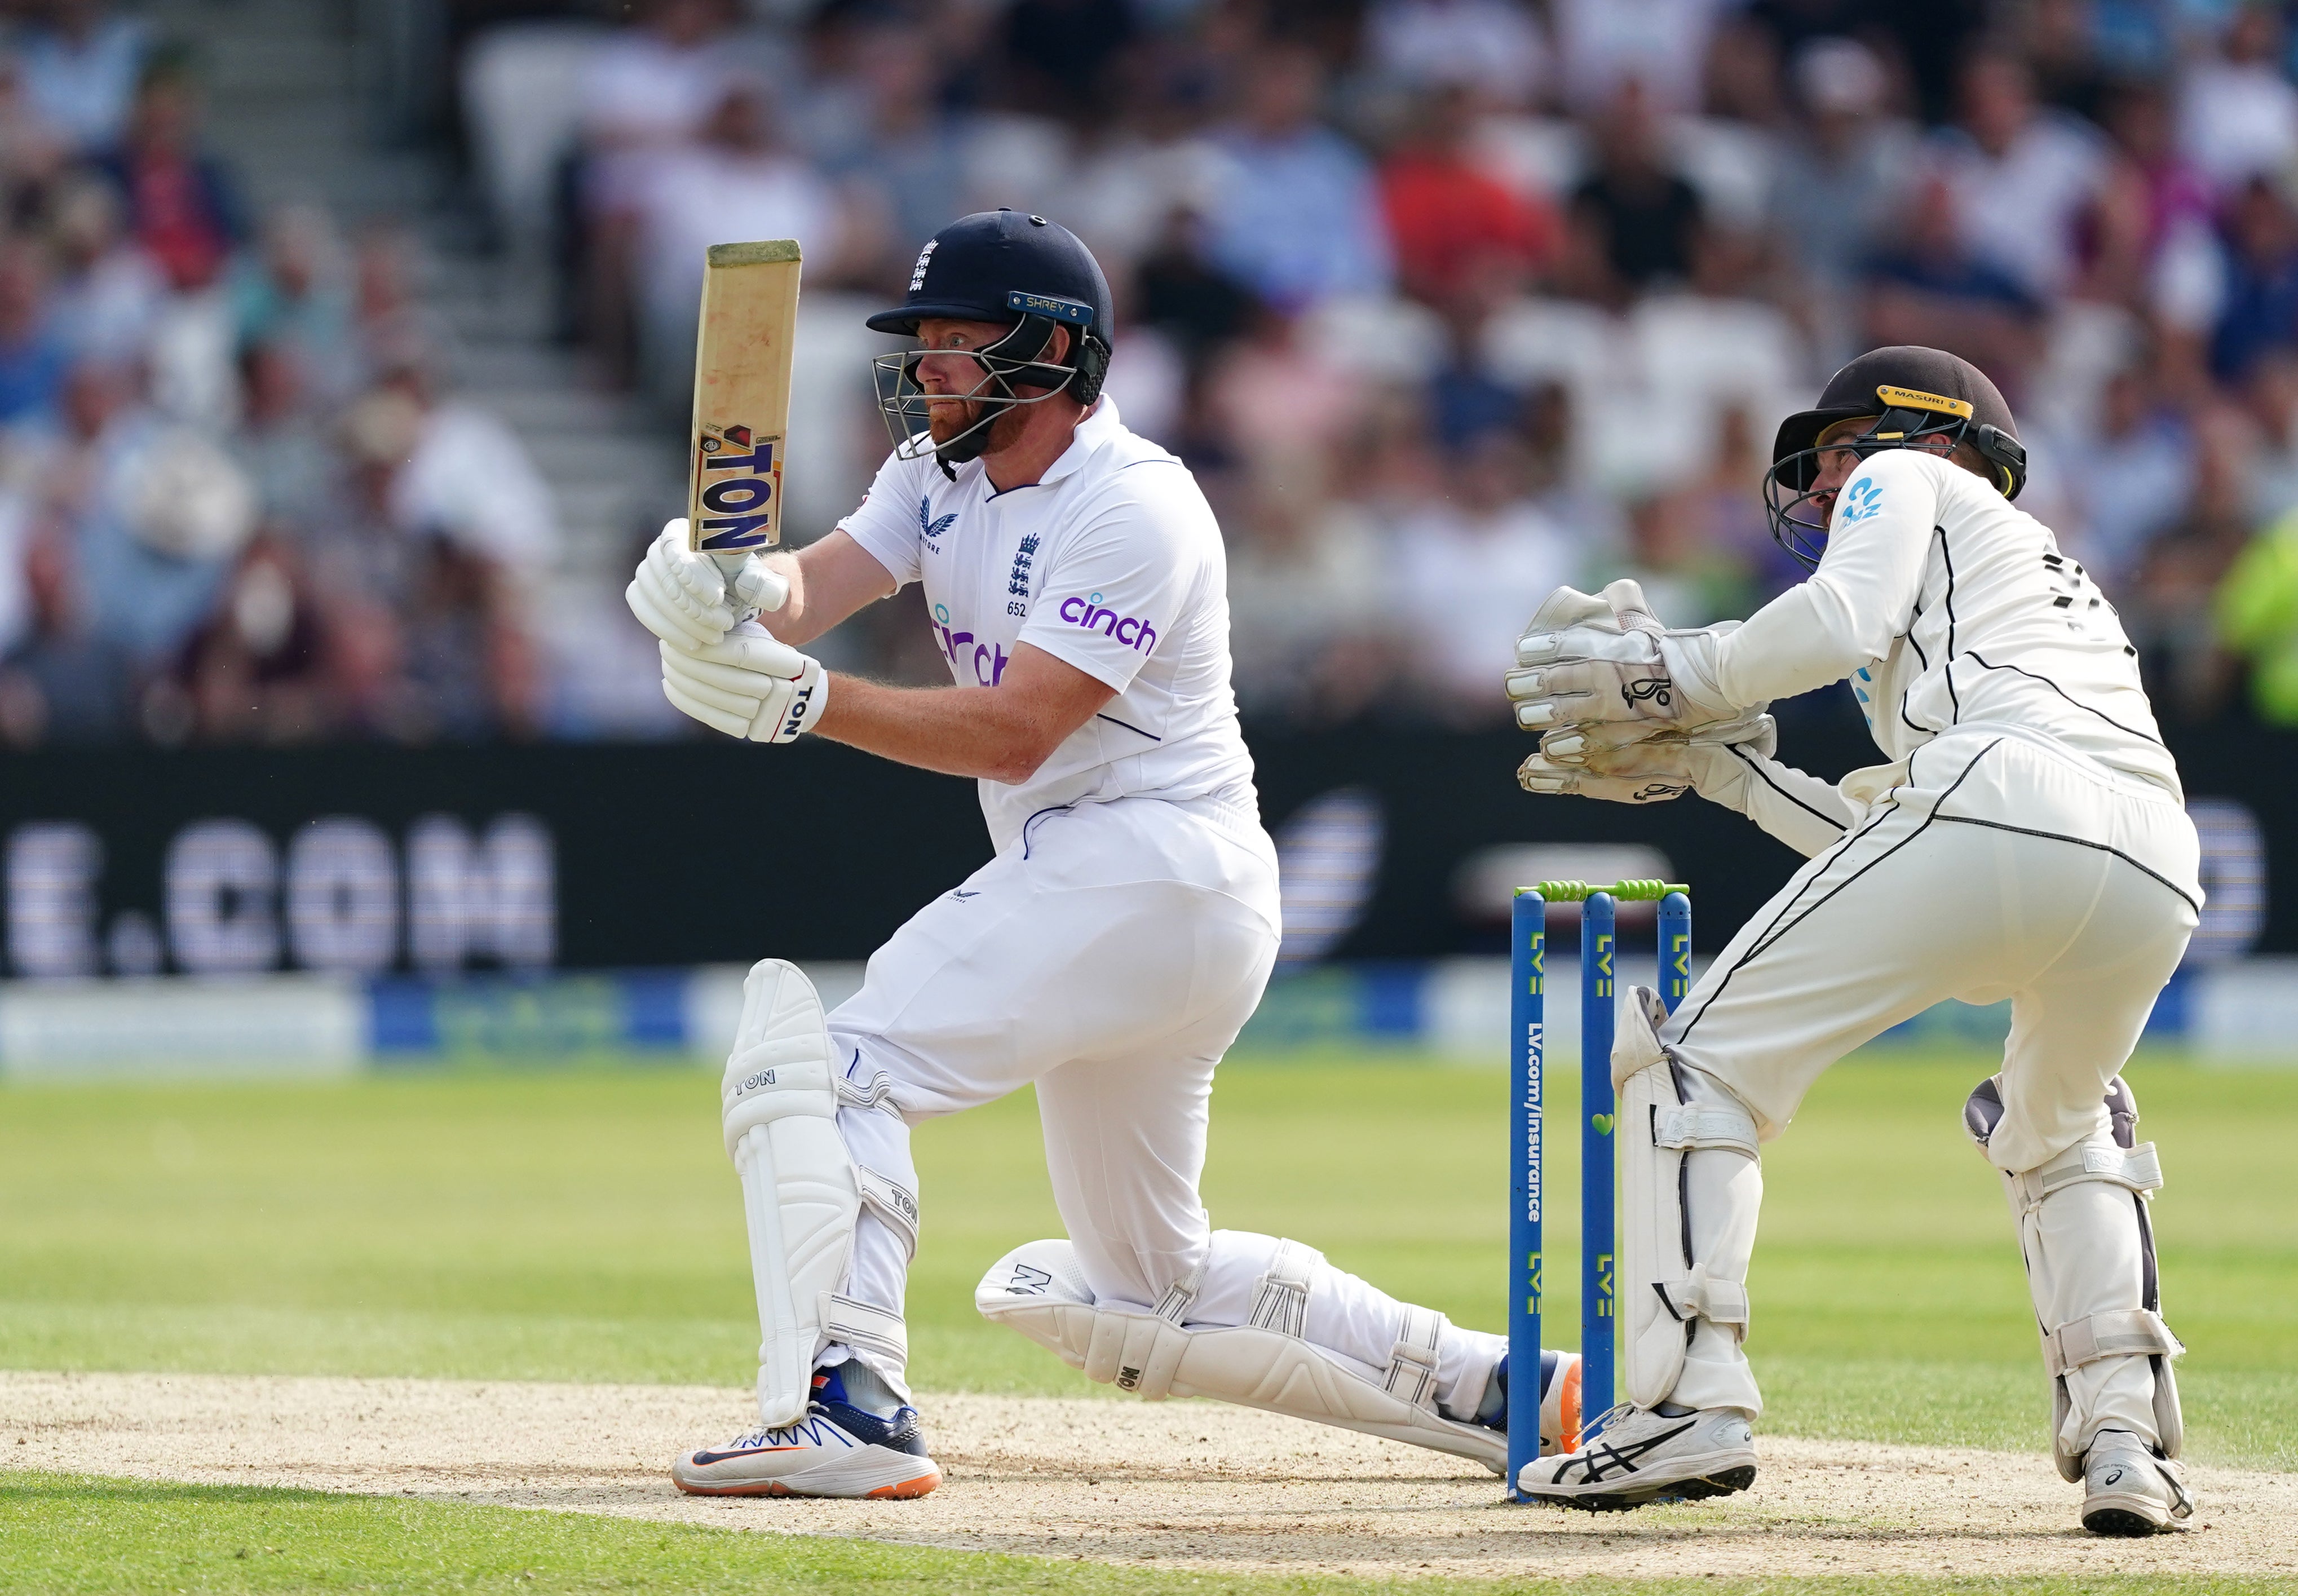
(2084,1236)
(1039,1290)
(801,1189)
(1686,1231)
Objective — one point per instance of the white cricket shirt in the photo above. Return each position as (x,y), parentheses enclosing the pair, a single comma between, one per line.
(1113,563)
(1955,615)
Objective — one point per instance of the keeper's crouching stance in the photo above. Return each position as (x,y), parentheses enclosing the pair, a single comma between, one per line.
(1109,954)
(2027,841)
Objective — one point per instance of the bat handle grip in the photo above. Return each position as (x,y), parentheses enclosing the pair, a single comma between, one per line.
(730,566)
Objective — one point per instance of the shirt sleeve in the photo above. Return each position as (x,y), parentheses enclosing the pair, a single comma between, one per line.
(1861,598)
(1114,587)
(887,521)
(1808,814)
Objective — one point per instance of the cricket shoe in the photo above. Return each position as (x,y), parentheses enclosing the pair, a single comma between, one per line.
(1559,1401)
(1638,1455)
(2128,1491)
(837,1450)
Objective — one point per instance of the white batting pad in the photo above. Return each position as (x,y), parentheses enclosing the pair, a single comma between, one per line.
(800,1190)
(2089,1249)
(1039,1291)
(1685,1230)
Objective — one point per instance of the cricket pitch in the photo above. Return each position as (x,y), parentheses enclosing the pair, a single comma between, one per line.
(1175,1484)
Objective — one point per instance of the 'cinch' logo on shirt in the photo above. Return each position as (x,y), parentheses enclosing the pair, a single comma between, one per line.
(1129,630)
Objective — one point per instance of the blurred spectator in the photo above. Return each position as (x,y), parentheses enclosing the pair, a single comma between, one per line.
(2271,397)
(1931,288)
(2238,115)
(394,327)
(1639,217)
(155,513)
(2172,262)
(31,149)
(1294,216)
(2020,174)
(282,444)
(296,295)
(2061,44)
(907,150)
(108,296)
(181,207)
(458,473)
(1722,546)
(1554,482)
(62,683)
(2257,615)
(2137,469)
(1658,46)
(2260,296)
(2171,616)
(1182,293)
(1837,179)
(1688,579)
(650,86)
(647,89)
(1449,222)
(1465,566)
(1281,401)
(1465,399)
(1058,52)
(429,553)
(1147,381)
(1308,583)
(80,67)
(32,357)
(1493,47)
(737,180)
(259,670)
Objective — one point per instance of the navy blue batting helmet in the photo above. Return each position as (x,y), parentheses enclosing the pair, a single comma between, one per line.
(1001,265)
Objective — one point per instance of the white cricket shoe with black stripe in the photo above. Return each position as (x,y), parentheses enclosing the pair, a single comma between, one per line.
(838,1449)
(1636,1455)
(2127,1490)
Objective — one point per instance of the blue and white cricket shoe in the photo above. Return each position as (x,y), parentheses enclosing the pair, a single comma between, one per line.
(837,1450)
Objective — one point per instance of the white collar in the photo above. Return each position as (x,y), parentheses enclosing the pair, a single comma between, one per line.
(1099,425)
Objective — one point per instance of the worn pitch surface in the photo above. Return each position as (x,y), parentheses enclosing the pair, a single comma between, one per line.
(1181,1484)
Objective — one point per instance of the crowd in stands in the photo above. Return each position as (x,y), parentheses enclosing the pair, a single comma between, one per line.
(1446,302)
(233,506)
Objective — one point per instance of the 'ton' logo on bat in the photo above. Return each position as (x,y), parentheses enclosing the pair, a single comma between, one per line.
(737,489)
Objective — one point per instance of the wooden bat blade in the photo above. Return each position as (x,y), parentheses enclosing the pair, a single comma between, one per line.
(742,397)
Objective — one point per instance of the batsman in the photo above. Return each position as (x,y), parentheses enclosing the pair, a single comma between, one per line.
(1108,954)
(2025,837)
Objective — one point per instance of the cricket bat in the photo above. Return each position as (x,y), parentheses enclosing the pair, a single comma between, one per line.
(742,399)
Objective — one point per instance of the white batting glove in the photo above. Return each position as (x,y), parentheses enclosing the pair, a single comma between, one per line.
(685,599)
(1589,659)
(750,685)
(1627,763)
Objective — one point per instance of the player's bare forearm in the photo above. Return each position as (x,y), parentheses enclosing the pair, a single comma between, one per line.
(1000,734)
(829,581)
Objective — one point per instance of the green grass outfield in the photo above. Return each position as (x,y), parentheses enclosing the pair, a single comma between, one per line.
(584,1226)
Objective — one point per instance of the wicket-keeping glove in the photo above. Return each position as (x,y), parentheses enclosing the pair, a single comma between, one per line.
(1625,763)
(1588,659)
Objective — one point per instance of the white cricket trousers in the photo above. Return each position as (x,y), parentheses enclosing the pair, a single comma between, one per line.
(1998,870)
(1110,958)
